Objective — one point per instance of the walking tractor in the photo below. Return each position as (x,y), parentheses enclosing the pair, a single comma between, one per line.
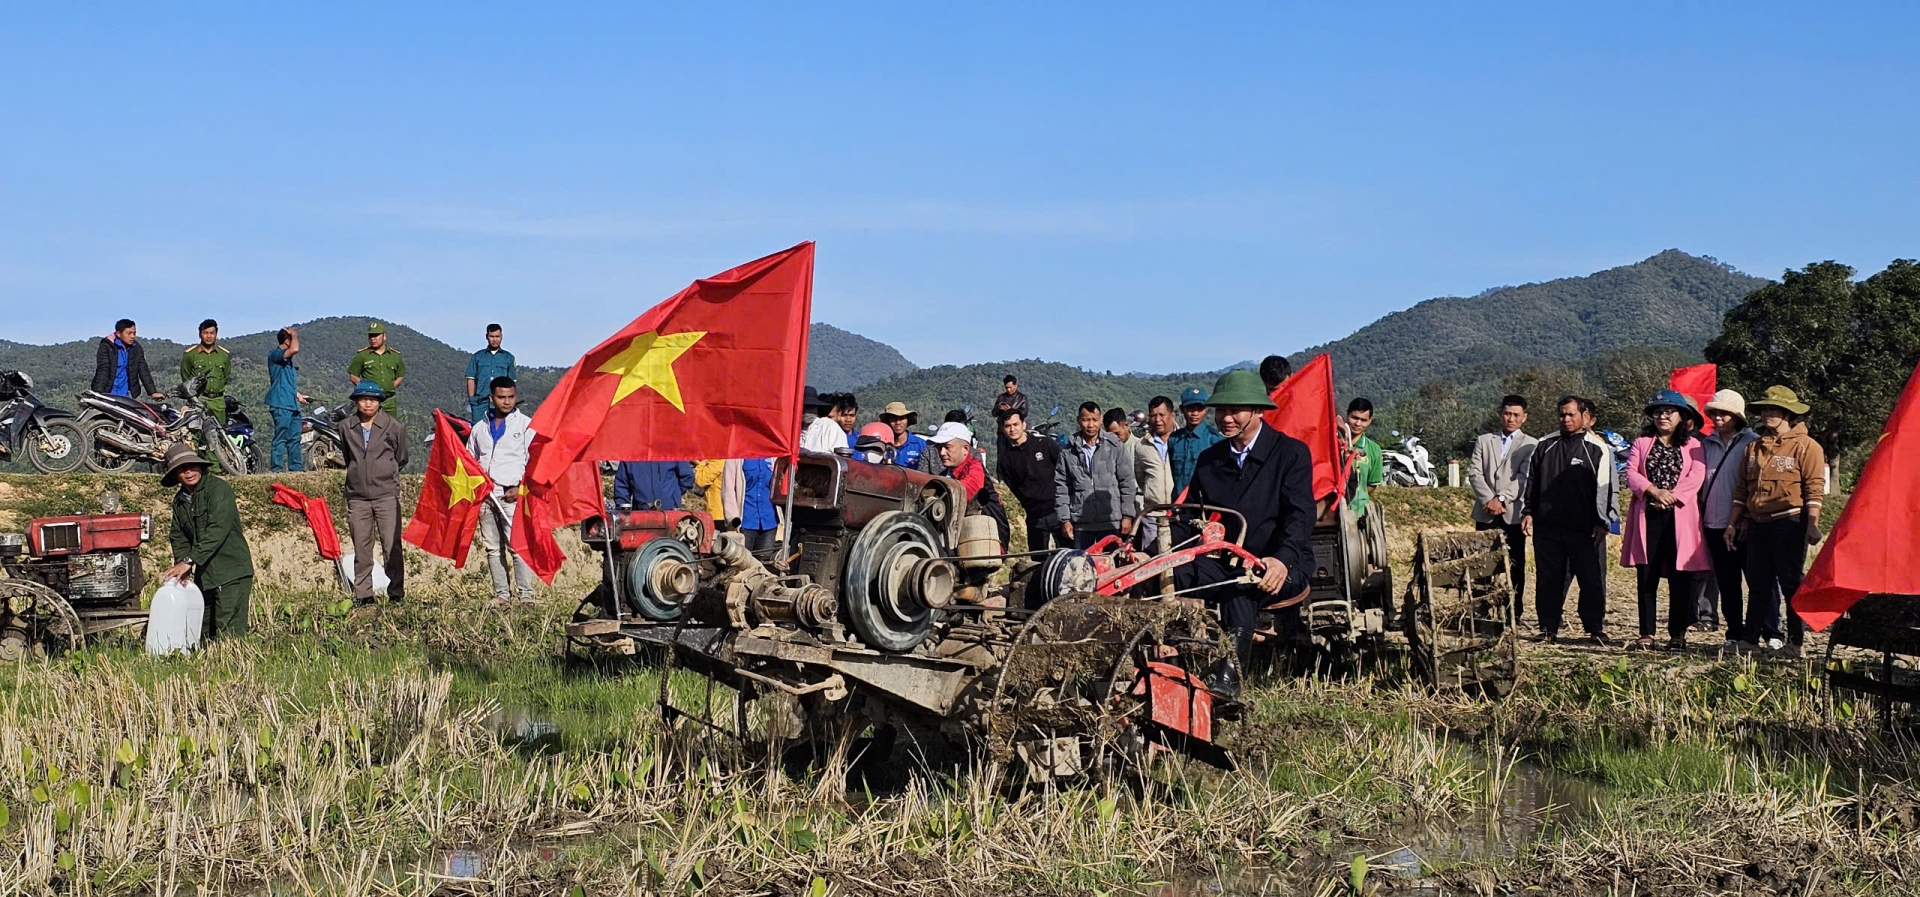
(66,578)
(897,610)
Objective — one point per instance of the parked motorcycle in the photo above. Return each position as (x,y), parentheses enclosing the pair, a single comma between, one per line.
(320,446)
(122,432)
(1410,466)
(246,440)
(49,438)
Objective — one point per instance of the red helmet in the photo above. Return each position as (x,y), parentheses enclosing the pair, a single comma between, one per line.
(878,430)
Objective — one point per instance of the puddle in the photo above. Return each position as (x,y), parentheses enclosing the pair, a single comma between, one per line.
(1403,859)
(525,728)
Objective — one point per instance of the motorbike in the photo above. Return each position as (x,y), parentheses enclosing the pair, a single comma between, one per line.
(320,446)
(1410,466)
(50,439)
(122,432)
(246,439)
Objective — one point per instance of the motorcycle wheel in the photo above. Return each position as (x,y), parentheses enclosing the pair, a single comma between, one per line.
(1399,477)
(256,454)
(58,447)
(97,459)
(228,454)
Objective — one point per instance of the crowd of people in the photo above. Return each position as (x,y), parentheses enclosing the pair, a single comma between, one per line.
(1716,506)
(1718,502)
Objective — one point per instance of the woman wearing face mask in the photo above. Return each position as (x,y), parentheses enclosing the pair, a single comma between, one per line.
(1662,536)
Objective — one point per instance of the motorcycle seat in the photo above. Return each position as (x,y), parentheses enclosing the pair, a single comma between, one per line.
(130,405)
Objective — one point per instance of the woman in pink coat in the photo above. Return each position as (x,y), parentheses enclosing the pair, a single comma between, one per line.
(1662,533)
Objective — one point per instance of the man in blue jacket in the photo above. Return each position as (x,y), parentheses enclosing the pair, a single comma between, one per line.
(651,485)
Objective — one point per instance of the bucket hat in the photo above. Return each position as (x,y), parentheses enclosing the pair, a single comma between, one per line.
(950,431)
(367,389)
(1673,398)
(1779,397)
(1191,396)
(1729,401)
(179,455)
(1240,388)
(900,409)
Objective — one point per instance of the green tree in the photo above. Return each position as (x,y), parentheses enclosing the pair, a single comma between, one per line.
(1845,347)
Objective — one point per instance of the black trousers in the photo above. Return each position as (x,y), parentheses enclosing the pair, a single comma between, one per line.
(1043,532)
(1239,604)
(1729,564)
(1084,538)
(1516,560)
(1680,609)
(1776,558)
(1560,558)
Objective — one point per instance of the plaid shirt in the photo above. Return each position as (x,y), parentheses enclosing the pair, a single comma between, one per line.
(1183,452)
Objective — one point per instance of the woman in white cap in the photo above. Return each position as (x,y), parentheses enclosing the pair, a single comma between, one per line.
(1724,443)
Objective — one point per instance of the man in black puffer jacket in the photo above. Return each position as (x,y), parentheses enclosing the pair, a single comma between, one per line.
(120,365)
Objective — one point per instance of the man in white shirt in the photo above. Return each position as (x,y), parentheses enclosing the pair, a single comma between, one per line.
(1497,471)
(827,434)
(500,441)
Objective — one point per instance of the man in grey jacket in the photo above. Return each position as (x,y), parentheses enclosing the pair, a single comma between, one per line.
(376,451)
(1093,484)
(1497,470)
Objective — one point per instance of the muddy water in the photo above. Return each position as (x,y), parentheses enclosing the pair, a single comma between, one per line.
(1535,801)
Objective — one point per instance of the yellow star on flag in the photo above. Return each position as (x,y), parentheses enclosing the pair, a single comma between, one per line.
(462,486)
(648,361)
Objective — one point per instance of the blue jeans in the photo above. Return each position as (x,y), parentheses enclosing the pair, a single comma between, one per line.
(286,441)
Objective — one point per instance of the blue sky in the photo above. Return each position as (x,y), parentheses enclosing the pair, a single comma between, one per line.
(1154,187)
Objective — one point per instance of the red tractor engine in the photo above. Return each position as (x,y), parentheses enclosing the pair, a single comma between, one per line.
(653,555)
(67,576)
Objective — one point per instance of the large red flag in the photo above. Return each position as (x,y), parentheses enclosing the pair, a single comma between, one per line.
(544,508)
(1306,413)
(1874,547)
(450,496)
(715,371)
(319,518)
(1698,382)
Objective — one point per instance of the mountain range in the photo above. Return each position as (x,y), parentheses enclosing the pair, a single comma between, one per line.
(1671,302)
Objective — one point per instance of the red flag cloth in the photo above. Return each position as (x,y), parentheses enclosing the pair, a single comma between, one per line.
(715,371)
(450,496)
(543,509)
(1874,548)
(1698,382)
(319,518)
(1306,413)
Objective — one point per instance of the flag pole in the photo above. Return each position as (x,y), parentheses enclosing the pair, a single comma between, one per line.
(786,522)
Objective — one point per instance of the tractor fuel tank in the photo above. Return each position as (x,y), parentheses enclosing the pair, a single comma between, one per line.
(87,533)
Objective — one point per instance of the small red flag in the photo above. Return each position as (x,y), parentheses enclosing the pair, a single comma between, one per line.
(1306,413)
(450,496)
(319,518)
(543,509)
(715,371)
(1874,547)
(1698,382)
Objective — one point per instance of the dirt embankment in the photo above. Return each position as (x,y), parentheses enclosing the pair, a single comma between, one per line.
(284,551)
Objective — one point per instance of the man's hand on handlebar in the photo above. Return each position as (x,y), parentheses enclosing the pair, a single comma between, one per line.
(1273,577)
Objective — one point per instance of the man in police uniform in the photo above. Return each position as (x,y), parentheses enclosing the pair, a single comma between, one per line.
(380,364)
(1267,476)
(209,357)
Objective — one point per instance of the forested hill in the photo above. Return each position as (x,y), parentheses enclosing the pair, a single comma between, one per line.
(436,371)
(838,361)
(1670,301)
(934,391)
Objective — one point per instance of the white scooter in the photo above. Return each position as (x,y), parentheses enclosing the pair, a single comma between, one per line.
(1410,466)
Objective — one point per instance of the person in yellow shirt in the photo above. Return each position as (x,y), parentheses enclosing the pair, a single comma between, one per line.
(707,475)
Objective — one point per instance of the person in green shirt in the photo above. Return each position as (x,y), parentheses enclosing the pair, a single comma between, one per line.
(208,544)
(209,357)
(380,364)
(1369,467)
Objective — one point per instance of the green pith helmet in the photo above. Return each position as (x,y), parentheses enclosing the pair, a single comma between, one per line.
(1239,388)
(1779,397)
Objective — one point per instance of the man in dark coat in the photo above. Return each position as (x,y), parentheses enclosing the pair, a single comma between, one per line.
(120,365)
(1267,476)
(208,544)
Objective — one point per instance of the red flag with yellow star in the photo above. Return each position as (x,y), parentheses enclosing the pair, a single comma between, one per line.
(450,496)
(715,371)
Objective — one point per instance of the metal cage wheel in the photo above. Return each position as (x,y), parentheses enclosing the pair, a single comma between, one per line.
(39,614)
